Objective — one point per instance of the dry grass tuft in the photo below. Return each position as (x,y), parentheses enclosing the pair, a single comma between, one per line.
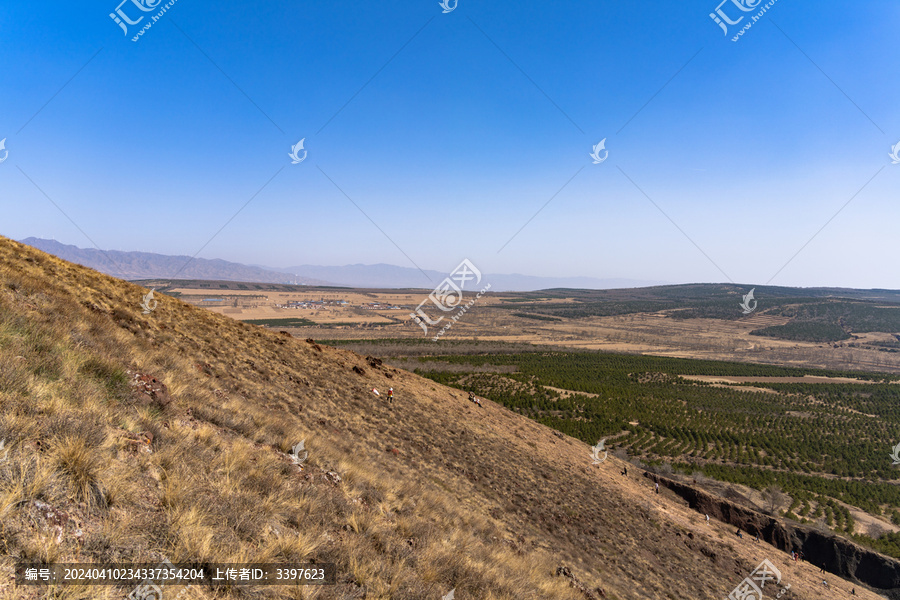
(80,464)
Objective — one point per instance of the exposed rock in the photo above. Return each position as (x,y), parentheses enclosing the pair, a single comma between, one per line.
(139,442)
(563,571)
(838,555)
(56,520)
(149,389)
(204,368)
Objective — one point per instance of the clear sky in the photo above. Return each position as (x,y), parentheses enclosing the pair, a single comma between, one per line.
(434,137)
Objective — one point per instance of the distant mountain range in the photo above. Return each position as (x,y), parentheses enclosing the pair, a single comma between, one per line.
(147,265)
(391,276)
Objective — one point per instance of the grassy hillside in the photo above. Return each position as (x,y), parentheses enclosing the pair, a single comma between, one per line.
(135,437)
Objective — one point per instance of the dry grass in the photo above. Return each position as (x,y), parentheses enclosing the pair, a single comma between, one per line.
(214,484)
(408,501)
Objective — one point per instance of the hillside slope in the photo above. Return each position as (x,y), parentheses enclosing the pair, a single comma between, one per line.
(132,437)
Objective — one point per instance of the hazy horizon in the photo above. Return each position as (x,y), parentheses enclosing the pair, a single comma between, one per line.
(434,137)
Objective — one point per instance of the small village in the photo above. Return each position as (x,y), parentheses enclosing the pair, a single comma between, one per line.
(341,303)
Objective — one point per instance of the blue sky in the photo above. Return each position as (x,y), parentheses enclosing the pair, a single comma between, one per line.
(452,131)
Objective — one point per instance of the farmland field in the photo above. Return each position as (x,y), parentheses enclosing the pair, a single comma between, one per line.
(834,329)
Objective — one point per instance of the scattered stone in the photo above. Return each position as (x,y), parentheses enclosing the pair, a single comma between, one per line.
(54,519)
(97,308)
(563,571)
(333,477)
(204,368)
(359,370)
(149,389)
(139,442)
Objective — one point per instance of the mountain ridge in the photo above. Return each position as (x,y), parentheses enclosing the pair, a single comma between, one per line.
(136,265)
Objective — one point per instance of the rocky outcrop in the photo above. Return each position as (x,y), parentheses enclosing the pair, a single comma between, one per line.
(566,572)
(838,555)
(149,389)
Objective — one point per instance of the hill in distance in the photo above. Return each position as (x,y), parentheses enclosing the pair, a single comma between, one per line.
(132,437)
(145,265)
(391,276)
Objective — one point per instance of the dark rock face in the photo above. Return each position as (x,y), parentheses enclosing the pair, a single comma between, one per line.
(838,555)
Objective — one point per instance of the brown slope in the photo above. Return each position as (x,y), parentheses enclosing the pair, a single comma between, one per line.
(409,499)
